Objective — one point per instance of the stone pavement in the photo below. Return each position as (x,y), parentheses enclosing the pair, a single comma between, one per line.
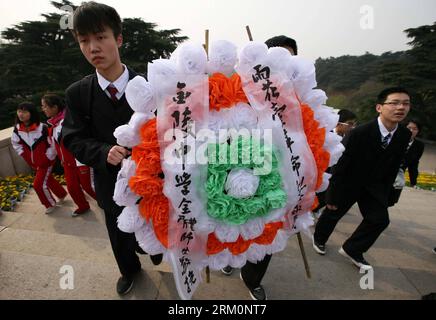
(34,247)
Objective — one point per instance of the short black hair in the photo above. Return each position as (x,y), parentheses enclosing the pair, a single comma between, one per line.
(34,115)
(282,41)
(346,115)
(54,100)
(386,92)
(93,17)
(416,122)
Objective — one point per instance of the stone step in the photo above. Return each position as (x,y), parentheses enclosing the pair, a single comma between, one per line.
(56,245)
(58,222)
(28,276)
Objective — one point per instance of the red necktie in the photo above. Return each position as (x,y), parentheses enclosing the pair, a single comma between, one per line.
(113,92)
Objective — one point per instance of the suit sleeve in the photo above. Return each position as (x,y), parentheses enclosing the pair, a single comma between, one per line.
(340,171)
(77,135)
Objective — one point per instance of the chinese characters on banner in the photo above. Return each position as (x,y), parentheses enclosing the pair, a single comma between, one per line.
(180,115)
(273,97)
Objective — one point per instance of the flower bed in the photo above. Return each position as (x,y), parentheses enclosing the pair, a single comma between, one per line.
(13,190)
(425,181)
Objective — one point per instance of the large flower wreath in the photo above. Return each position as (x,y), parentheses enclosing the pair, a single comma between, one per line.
(247,216)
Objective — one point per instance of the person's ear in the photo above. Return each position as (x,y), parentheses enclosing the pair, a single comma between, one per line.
(379,108)
(120,40)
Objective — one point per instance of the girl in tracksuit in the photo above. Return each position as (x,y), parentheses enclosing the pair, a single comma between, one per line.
(77,176)
(30,140)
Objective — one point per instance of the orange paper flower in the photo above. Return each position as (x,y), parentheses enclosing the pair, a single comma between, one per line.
(214,246)
(316,139)
(146,183)
(225,92)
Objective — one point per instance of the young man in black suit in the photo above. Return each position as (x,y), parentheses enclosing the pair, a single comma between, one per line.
(414,152)
(364,174)
(96,106)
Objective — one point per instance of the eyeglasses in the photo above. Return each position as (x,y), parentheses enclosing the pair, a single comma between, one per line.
(397,103)
(352,124)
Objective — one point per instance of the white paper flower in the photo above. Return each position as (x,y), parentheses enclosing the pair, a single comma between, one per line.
(325,182)
(128,169)
(130,220)
(279,61)
(127,136)
(252,53)
(191,58)
(139,119)
(303,223)
(140,95)
(326,117)
(222,57)
(314,98)
(123,196)
(147,240)
(304,76)
(162,75)
(242,116)
(242,183)
(334,146)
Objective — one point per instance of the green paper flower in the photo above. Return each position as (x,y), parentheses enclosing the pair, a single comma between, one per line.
(270,194)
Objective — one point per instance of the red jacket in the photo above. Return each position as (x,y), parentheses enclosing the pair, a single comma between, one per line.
(33,145)
(55,130)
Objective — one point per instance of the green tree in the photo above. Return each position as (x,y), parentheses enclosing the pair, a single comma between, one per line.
(39,56)
(354,82)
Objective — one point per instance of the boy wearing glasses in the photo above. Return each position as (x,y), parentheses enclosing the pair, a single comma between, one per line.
(364,174)
(347,121)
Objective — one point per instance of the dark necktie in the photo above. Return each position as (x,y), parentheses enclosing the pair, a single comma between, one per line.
(385,141)
(113,92)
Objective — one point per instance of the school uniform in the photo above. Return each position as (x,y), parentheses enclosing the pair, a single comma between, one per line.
(32,144)
(93,113)
(75,178)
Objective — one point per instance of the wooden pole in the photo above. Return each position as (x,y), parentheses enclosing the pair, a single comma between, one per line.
(206,47)
(303,253)
(250,36)
(206,42)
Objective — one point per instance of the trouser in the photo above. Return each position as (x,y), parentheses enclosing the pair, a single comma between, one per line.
(44,184)
(86,176)
(123,244)
(321,201)
(253,273)
(413,175)
(375,221)
(74,189)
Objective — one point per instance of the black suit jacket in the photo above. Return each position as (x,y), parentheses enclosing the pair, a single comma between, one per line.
(413,155)
(88,131)
(365,166)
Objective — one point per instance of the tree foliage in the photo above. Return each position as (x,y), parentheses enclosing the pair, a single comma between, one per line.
(353,82)
(39,56)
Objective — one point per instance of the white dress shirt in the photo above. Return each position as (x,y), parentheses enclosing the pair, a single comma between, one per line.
(120,83)
(384,132)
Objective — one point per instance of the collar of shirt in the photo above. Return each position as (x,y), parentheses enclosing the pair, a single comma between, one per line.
(120,83)
(384,132)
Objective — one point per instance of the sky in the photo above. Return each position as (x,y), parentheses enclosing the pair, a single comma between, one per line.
(322,28)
